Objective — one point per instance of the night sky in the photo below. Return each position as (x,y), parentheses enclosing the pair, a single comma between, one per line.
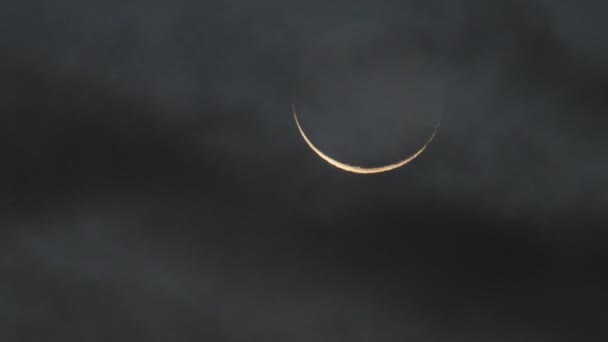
(154,186)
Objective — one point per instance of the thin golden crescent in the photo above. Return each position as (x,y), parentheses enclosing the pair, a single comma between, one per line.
(359,169)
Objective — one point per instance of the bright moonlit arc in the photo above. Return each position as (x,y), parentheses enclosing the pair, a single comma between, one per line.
(359,169)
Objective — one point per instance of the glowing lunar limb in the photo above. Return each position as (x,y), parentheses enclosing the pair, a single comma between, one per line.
(359,169)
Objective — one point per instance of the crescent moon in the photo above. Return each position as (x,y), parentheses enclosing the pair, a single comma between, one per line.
(358,169)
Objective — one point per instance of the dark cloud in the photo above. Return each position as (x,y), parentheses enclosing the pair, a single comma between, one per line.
(155,187)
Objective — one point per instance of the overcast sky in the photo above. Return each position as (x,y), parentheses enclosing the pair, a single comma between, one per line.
(155,187)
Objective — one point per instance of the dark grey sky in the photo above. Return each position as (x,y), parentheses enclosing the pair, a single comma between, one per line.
(154,186)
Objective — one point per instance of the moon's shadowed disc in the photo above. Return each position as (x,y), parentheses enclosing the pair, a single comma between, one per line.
(370,94)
